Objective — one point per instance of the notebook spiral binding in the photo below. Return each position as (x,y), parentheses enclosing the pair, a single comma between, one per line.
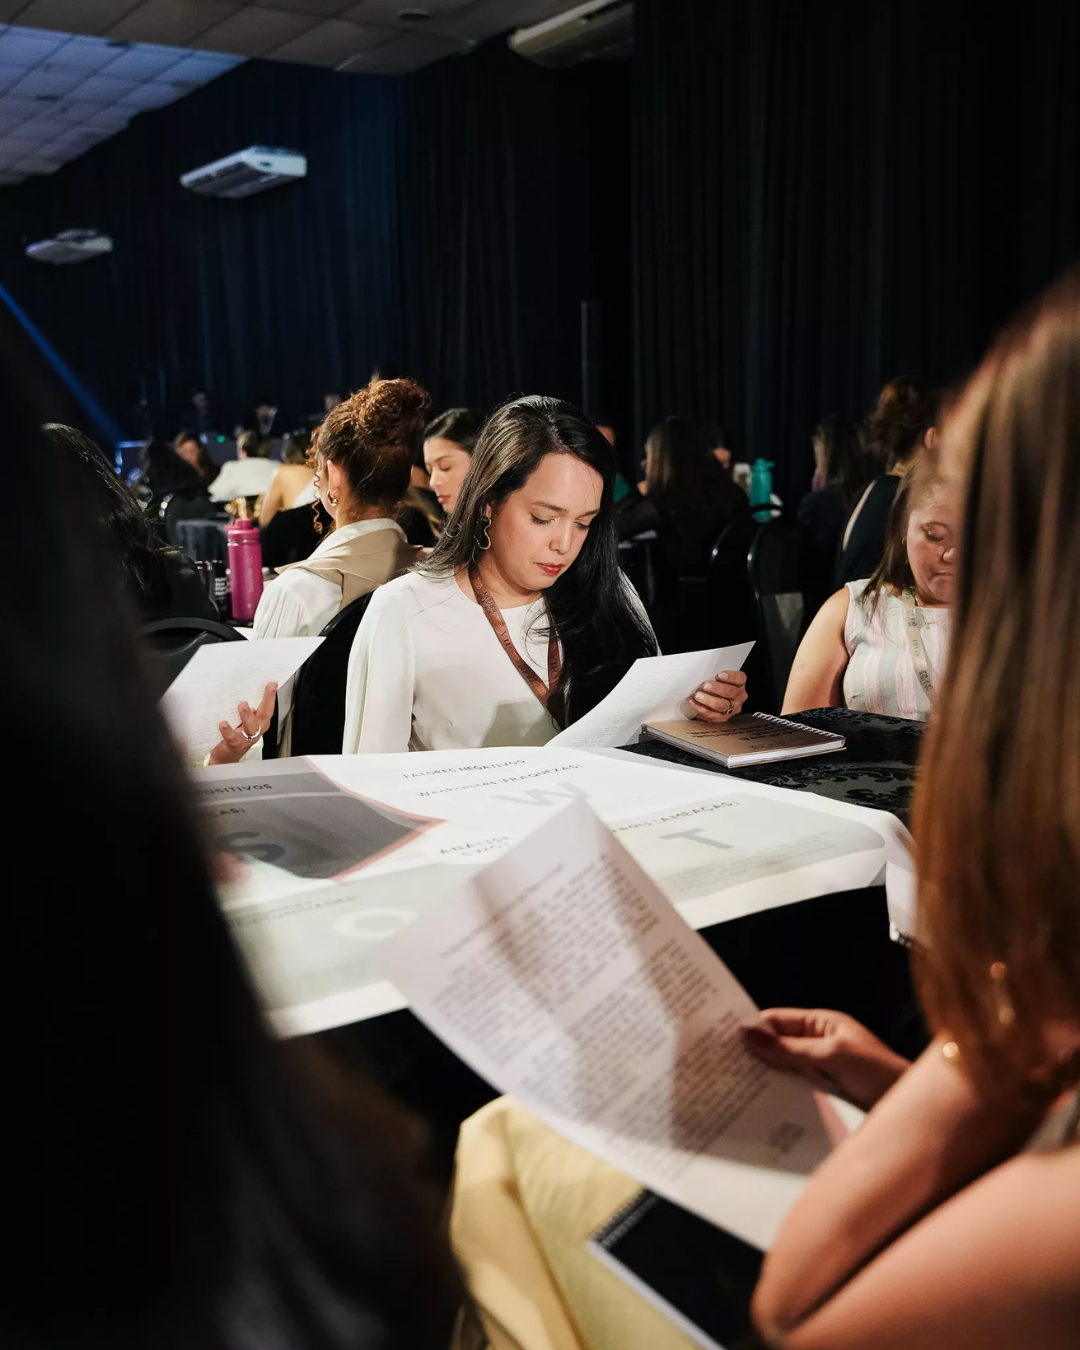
(624,1219)
(797,726)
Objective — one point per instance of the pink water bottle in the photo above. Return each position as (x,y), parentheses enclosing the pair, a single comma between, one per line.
(245,567)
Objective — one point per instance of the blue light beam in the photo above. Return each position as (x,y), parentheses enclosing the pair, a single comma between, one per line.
(94,410)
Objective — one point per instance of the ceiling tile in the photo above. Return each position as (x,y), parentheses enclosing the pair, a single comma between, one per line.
(82,53)
(176,22)
(47,83)
(74,16)
(387,11)
(27,47)
(141,62)
(197,68)
(406,51)
(320,9)
(101,89)
(485,18)
(332,43)
(149,95)
(255,30)
(14,110)
(35,163)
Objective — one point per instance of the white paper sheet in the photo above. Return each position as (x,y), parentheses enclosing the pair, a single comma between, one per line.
(222,675)
(654,689)
(562,975)
(900,890)
(719,848)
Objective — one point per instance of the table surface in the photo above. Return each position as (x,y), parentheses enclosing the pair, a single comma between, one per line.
(876,768)
(832,951)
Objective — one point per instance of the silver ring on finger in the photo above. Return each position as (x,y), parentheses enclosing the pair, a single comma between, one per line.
(250,736)
(730,707)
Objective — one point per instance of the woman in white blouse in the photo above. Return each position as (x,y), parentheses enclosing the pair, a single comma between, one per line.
(363,452)
(520,621)
(880,645)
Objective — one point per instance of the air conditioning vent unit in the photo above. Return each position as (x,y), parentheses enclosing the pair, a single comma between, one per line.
(70,246)
(599,30)
(252,170)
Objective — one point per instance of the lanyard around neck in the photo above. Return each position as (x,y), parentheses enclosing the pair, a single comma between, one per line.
(544,692)
(913,629)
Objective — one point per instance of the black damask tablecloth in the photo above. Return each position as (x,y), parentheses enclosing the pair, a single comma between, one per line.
(877,767)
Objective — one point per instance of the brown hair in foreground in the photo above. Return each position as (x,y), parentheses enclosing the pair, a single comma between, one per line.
(375,435)
(997,808)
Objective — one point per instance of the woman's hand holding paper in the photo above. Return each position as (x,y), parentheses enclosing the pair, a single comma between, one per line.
(720,698)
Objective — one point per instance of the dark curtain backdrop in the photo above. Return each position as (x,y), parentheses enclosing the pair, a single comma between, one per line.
(828,194)
(452,222)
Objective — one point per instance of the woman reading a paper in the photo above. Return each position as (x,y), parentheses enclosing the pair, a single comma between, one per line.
(943,1223)
(879,645)
(521,620)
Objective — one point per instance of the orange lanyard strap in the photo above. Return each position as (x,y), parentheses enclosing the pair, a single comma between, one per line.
(542,691)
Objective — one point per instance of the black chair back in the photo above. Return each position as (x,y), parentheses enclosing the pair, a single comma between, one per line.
(318,697)
(777,576)
(177,640)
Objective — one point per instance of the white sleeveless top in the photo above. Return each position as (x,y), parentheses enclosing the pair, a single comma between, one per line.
(880,675)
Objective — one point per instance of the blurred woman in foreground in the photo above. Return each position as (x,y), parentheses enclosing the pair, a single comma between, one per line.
(173,1176)
(934,1226)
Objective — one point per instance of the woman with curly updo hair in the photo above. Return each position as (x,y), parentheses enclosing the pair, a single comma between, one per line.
(362,455)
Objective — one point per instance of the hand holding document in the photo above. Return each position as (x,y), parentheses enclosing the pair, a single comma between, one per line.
(654,689)
(562,975)
(222,675)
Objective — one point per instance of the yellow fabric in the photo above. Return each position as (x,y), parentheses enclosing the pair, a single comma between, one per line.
(525,1202)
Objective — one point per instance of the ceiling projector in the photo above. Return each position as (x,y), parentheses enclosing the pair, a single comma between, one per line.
(252,170)
(70,246)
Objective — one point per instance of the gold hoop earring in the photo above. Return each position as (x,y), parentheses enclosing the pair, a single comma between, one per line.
(331,499)
(483,535)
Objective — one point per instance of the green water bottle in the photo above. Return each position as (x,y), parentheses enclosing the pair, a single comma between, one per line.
(761,489)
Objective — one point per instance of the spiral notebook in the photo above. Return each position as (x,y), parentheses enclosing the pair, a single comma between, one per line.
(700,1277)
(749,738)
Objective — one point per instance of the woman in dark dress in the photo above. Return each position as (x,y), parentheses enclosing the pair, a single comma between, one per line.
(843,468)
(898,428)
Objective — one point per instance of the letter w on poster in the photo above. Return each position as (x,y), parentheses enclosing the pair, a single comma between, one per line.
(562,975)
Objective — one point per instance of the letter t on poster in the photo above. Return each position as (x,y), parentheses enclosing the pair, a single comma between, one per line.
(563,976)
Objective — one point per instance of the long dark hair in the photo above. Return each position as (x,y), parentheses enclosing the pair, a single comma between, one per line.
(174,1177)
(845,461)
(685,476)
(460,425)
(134,543)
(591,605)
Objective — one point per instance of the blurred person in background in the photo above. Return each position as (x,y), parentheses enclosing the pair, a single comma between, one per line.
(688,497)
(902,425)
(249,474)
(160,582)
(879,645)
(260,419)
(952,1216)
(293,482)
(842,469)
(193,1182)
(448,445)
(192,451)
